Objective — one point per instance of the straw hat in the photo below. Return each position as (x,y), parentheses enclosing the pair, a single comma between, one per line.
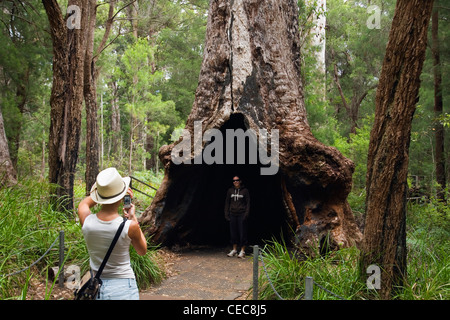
(109,187)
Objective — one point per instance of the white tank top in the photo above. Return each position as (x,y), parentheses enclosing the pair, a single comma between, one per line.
(98,235)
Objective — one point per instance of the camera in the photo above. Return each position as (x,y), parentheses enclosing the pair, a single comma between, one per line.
(127,201)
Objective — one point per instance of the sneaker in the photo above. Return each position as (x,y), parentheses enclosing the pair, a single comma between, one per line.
(241,254)
(232,253)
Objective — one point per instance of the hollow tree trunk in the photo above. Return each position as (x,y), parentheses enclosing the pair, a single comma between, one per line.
(387,168)
(250,79)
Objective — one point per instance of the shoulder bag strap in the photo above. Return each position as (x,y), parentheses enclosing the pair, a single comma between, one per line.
(111,247)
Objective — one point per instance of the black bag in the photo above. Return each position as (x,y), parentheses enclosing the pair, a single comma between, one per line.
(91,289)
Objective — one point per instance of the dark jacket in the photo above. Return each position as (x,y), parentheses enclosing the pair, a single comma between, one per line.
(237,202)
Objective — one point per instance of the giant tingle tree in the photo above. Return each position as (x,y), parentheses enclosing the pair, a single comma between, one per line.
(250,79)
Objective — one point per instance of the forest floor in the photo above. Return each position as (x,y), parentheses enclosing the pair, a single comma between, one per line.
(203,274)
(191,274)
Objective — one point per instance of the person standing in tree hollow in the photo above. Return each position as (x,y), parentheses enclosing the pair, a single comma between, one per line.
(237,208)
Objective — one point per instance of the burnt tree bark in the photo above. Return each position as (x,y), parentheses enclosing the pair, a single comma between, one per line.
(250,79)
(387,168)
(66,98)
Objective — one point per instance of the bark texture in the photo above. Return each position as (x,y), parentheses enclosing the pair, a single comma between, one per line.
(66,99)
(90,90)
(90,98)
(385,234)
(250,79)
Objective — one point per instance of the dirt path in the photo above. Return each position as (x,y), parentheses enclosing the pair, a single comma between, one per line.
(205,274)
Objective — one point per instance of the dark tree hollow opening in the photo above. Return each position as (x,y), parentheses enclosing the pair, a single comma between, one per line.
(200,194)
(250,78)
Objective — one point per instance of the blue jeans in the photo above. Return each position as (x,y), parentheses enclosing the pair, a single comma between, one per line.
(119,289)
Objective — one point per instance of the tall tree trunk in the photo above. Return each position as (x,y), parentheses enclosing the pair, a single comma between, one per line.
(22,99)
(352,109)
(387,168)
(21,89)
(7,171)
(90,99)
(90,91)
(439,155)
(115,119)
(150,162)
(250,79)
(42,177)
(133,16)
(66,99)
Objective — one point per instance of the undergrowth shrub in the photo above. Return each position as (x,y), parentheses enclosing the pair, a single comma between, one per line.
(428,268)
(287,269)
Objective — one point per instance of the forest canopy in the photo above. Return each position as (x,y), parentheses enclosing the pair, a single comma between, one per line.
(147,73)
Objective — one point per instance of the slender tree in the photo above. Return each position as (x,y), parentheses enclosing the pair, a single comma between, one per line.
(439,155)
(90,99)
(387,168)
(7,171)
(90,89)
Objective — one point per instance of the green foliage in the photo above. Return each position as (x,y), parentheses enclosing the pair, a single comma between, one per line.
(137,60)
(151,178)
(28,227)
(147,268)
(423,146)
(356,148)
(430,221)
(287,270)
(141,81)
(428,234)
(357,63)
(25,67)
(428,264)
(180,53)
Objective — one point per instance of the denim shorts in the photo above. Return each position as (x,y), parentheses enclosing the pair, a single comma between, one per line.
(119,289)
